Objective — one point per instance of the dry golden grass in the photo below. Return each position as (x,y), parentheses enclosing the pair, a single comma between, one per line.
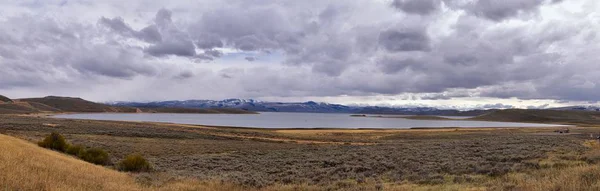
(26,166)
(577,178)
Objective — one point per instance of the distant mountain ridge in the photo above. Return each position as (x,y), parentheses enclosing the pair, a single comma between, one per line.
(580,108)
(308,107)
(56,104)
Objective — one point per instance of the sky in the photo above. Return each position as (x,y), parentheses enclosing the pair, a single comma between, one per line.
(440,53)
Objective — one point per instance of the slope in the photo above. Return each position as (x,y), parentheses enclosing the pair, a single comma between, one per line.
(69,104)
(26,166)
(4,99)
(542,116)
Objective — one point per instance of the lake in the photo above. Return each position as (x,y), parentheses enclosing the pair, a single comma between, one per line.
(291,120)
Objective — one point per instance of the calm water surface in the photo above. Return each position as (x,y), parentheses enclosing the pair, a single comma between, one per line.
(290,120)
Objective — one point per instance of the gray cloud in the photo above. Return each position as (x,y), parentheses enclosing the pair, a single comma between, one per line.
(213,53)
(403,40)
(177,47)
(421,7)
(500,49)
(500,10)
(174,41)
(250,58)
(148,34)
(393,65)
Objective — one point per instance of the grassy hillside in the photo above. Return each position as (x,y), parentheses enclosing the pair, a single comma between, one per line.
(15,108)
(68,104)
(542,116)
(26,166)
(4,99)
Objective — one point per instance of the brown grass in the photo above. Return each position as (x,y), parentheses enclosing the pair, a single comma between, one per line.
(190,157)
(25,166)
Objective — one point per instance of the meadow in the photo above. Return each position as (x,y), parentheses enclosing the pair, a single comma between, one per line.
(190,157)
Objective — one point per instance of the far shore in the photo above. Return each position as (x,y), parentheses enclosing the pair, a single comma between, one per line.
(50,115)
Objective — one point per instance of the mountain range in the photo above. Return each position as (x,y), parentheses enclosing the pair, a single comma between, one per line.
(310,107)
(56,104)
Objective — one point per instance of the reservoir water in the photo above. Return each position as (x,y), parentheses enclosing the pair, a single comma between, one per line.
(291,120)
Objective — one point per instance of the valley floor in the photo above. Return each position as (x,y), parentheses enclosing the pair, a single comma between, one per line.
(189,157)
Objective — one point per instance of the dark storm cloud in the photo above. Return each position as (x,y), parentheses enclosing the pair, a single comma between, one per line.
(173,47)
(404,40)
(499,10)
(117,24)
(63,53)
(253,28)
(421,7)
(213,53)
(250,59)
(392,65)
(148,34)
(209,42)
(166,38)
(184,75)
(163,18)
(173,40)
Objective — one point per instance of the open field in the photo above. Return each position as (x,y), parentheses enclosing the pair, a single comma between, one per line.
(275,159)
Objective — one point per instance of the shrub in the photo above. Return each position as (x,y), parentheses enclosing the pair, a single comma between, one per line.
(96,156)
(54,141)
(76,150)
(134,163)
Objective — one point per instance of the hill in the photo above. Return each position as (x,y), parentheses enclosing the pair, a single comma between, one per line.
(69,104)
(26,166)
(581,108)
(542,116)
(16,108)
(4,99)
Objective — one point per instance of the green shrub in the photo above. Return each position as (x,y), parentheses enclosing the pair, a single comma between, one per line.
(96,156)
(134,163)
(54,141)
(76,150)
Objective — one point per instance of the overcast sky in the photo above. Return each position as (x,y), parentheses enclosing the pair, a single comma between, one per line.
(445,53)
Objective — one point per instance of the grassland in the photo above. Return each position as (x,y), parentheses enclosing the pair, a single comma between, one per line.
(543,116)
(209,158)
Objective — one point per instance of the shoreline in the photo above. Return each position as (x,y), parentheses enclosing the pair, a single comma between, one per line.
(50,115)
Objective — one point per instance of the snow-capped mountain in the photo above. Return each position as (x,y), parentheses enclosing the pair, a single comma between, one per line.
(309,107)
(247,104)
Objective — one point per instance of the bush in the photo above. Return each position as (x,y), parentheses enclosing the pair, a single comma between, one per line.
(55,142)
(76,150)
(96,156)
(134,163)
